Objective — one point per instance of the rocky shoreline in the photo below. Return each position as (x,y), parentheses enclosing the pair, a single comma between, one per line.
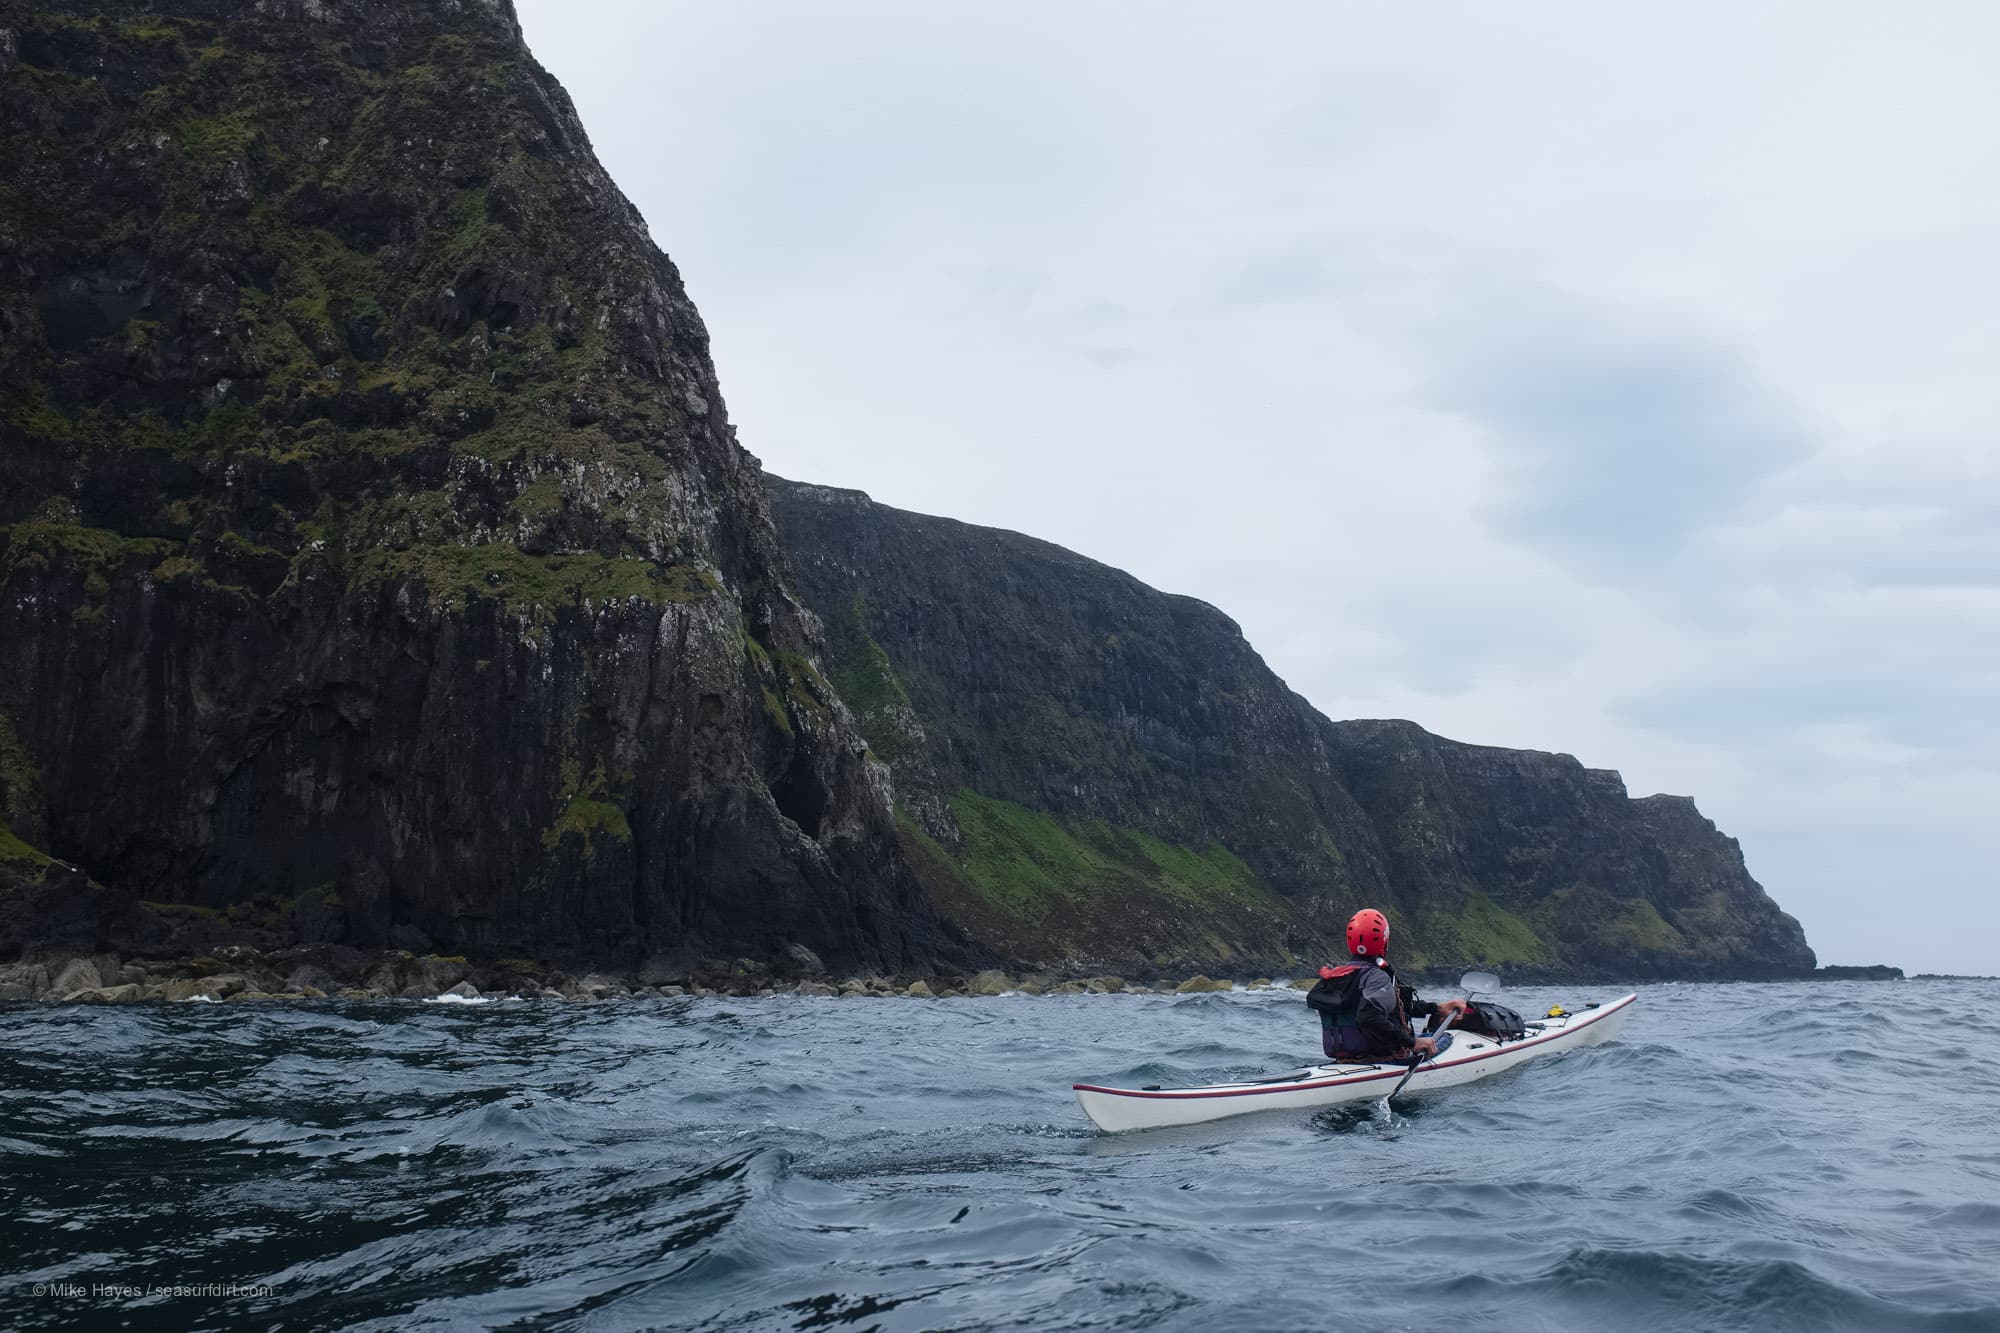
(238,974)
(243,974)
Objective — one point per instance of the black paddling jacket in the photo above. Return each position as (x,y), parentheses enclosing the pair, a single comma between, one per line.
(1364,1013)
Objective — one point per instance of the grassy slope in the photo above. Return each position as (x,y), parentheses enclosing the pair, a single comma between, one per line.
(1049,890)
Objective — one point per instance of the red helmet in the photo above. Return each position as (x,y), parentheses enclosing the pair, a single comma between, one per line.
(1367,934)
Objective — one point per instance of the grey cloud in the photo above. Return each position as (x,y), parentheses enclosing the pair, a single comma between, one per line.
(1315,268)
(1098,319)
(1901,532)
(1939,884)
(1945,708)
(1099,315)
(1949,550)
(1272,279)
(801,121)
(1001,289)
(1449,637)
(1616,441)
(1360,108)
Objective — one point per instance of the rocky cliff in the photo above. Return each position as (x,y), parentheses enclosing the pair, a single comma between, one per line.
(378,568)
(1091,772)
(377,563)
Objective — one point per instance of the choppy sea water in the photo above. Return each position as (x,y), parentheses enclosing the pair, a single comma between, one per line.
(1808,1156)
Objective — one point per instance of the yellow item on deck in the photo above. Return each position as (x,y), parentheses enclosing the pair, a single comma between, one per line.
(1555,1011)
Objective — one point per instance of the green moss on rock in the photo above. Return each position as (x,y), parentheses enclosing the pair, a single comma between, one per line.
(15,852)
(150,29)
(1477,932)
(454,576)
(1585,917)
(215,139)
(98,554)
(31,415)
(588,812)
(1021,859)
(183,911)
(774,708)
(20,779)
(469,226)
(804,685)
(587,818)
(540,500)
(863,674)
(760,658)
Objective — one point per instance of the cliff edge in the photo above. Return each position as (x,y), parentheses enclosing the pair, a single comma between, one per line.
(1091,772)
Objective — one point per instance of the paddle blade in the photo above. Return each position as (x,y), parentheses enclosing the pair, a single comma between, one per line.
(1479,981)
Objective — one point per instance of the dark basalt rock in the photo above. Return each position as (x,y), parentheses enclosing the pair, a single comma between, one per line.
(1038,708)
(377,561)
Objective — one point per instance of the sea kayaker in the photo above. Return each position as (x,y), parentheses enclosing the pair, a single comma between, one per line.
(1364,1010)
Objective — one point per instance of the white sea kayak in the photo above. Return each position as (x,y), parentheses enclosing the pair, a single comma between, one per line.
(1468,1059)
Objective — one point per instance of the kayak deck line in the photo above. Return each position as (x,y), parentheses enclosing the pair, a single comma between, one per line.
(1340,1082)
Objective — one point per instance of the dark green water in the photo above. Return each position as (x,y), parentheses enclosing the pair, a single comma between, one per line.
(1819,1156)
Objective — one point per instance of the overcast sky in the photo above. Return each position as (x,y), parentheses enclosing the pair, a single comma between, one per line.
(1614,380)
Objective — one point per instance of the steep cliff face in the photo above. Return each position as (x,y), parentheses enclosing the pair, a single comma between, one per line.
(1526,857)
(1007,681)
(376,558)
(1062,737)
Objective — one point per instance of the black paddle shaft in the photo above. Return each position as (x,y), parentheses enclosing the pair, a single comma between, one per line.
(1470,982)
(1418,1062)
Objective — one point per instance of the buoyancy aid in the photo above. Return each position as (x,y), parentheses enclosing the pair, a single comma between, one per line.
(1362,1012)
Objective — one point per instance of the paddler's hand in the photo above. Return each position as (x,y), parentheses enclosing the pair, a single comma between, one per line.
(1450,1008)
(1425,1046)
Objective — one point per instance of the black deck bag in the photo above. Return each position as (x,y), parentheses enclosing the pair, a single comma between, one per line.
(1486,1019)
